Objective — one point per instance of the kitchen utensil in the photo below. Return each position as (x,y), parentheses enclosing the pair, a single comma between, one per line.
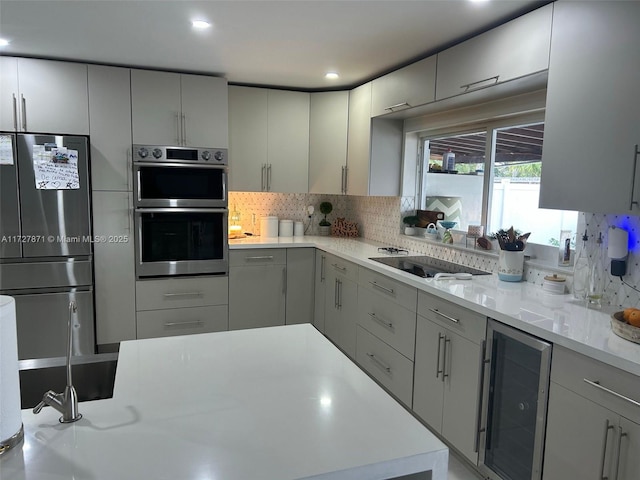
(453,276)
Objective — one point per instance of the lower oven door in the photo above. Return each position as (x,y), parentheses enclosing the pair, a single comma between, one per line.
(181,241)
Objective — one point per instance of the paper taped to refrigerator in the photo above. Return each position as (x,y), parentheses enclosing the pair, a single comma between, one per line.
(55,168)
(6,150)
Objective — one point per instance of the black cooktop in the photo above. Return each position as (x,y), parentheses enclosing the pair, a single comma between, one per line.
(426,267)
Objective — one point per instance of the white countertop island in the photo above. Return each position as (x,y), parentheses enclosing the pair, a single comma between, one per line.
(273,403)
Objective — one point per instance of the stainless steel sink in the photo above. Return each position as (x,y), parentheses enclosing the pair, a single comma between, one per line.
(93,377)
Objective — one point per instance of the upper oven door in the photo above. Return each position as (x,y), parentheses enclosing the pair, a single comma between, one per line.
(180,185)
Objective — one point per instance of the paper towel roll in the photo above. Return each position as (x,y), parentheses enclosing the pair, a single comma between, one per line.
(10,415)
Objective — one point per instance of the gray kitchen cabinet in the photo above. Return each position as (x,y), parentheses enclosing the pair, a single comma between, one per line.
(512,50)
(446,391)
(300,285)
(257,288)
(268,140)
(593,420)
(592,120)
(114,260)
(404,88)
(328,123)
(181,306)
(320,290)
(374,148)
(110,128)
(179,109)
(43,96)
(341,303)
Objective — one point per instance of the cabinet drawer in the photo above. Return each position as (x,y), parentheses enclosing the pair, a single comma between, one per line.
(258,256)
(468,324)
(574,372)
(181,292)
(181,321)
(393,324)
(393,370)
(389,289)
(342,267)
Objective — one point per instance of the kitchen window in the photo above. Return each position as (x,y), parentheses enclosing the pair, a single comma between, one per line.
(495,180)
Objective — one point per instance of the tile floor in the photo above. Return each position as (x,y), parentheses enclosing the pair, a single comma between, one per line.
(458,469)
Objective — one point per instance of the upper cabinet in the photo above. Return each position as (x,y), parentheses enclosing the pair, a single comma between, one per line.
(43,96)
(268,140)
(515,49)
(592,120)
(374,148)
(110,115)
(328,122)
(179,109)
(407,87)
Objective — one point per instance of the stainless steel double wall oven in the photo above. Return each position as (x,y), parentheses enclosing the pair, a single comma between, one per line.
(180,199)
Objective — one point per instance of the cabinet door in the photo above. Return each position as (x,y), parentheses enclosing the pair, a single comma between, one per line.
(320,285)
(428,386)
(515,49)
(340,312)
(358,142)
(9,95)
(155,107)
(115,288)
(407,87)
(110,128)
(256,296)
(300,289)
(288,141)
(328,124)
(462,363)
(628,459)
(578,442)
(53,96)
(247,138)
(592,123)
(205,109)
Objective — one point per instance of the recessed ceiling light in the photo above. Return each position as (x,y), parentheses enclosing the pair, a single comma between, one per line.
(331,75)
(4,42)
(200,24)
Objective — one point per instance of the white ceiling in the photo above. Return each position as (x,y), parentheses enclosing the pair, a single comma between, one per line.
(262,42)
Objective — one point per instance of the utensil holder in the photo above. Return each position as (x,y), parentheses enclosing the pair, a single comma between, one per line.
(510,265)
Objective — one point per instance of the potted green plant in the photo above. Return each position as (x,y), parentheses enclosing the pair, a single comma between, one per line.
(410,221)
(325,226)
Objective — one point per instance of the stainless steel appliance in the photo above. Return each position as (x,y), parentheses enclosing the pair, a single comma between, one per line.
(424,266)
(181,211)
(514,404)
(45,240)
(180,177)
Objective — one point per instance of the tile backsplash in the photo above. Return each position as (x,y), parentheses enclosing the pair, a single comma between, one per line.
(379,220)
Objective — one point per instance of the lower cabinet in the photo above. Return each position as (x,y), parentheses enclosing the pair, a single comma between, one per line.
(300,289)
(181,306)
(593,420)
(320,287)
(446,392)
(115,292)
(257,288)
(341,303)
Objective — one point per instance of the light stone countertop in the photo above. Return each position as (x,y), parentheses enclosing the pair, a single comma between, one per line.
(273,403)
(559,319)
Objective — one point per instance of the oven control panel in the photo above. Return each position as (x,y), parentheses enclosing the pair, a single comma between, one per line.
(205,155)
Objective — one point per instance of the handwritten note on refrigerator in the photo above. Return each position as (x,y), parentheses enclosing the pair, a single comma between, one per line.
(55,168)
(6,150)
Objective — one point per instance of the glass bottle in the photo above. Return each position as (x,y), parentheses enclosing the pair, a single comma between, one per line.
(596,276)
(581,271)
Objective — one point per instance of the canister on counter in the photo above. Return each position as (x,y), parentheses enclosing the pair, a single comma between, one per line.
(286,228)
(298,229)
(269,226)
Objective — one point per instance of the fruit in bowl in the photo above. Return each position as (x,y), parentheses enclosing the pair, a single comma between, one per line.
(624,328)
(632,316)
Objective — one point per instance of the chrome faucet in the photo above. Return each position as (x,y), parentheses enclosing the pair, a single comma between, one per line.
(67,402)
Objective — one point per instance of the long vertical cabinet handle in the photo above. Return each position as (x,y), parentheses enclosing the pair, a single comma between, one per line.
(607,427)
(335,294)
(346,179)
(262,172)
(481,361)
(339,294)
(621,434)
(322,259)
(343,184)
(129,169)
(438,371)
(15,112)
(127,227)
(24,113)
(184,130)
(633,202)
(447,340)
(284,280)
(178,128)
(268,177)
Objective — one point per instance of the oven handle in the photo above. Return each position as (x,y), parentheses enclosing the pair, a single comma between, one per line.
(138,165)
(182,210)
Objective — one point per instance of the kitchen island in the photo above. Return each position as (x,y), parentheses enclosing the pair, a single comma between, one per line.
(272,403)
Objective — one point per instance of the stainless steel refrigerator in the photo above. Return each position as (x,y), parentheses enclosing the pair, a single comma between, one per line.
(45,241)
